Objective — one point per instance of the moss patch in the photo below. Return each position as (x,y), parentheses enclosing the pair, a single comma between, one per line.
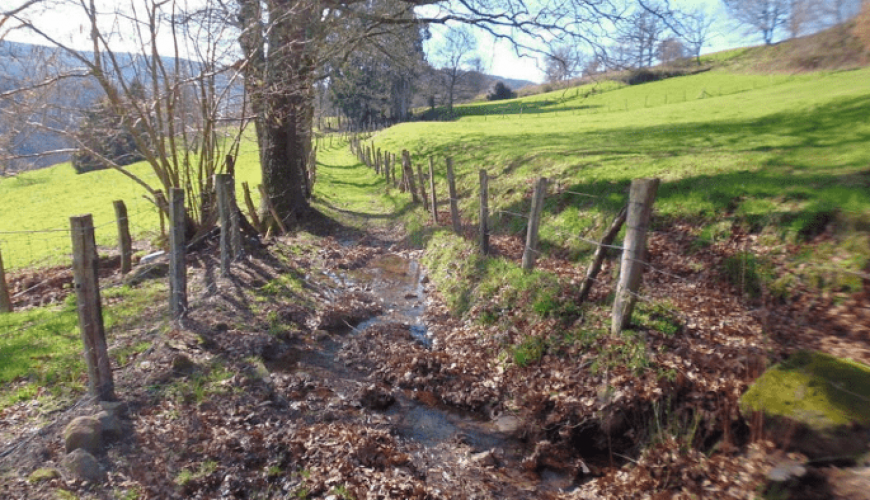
(815,389)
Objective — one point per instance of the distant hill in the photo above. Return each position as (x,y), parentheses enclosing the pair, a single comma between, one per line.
(513,83)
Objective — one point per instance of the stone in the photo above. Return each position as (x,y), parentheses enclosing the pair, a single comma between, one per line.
(785,471)
(484,459)
(182,365)
(83,433)
(111,425)
(141,274)
(375,398)
(509,424)
(43,474)
(83,465)
(115,408)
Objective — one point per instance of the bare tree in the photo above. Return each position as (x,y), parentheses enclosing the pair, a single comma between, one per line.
(695,27)
(671,50)
(183,122)
(563,63)
(765,17)
(457,61)
(638,38)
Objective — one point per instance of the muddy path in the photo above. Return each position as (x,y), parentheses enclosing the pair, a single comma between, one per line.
(452,448)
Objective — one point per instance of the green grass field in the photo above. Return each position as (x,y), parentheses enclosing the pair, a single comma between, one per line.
(773,152)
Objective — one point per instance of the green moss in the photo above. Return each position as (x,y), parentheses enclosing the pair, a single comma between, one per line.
(43,474)
(813,388)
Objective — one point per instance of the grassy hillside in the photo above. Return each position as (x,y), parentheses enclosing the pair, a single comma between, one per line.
(779,155)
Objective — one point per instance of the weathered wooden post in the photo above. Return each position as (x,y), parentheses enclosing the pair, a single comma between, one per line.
(484,213)
(408,173)
(222,186)
(252,210)
(162,209)
(387,168)
(393,167)
(454,206)
(600,253)
(432,189)
(422,188)
(177,251)
(640,203)
(90,312)
(125,243)
(5,299)
(378,162)
(531,250)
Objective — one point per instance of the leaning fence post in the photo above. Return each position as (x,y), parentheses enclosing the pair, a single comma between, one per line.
(600,253)
(640,202)
(454,206)
(125,243)
(432,188)
(177,267)
(5,299)
(221,182)
(484,213)
(90,312)
(531,250)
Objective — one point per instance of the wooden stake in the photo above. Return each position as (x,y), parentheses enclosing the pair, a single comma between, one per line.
(272,210)
(484,213)
(454,205)
(87,286)
(423,188)
(125,243)
(177,251)
(640,203)
(531,250)
(432,189)
(408,174)
(600,253)
(249,202)
(221,182)
(5,299)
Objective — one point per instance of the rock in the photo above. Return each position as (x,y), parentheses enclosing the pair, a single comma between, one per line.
(115,408)
(43,474)
(83,433)
(142,273)
(509,424)
(812,403)
(111,425)
(83,465)
(485,459)
(787,470)
(375,398)
(182,365)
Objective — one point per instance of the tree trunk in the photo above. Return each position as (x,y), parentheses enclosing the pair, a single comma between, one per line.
(282,94)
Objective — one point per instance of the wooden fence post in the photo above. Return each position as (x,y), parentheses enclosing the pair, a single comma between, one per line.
(600,253)
(531,250)
(393,163)
(177,251)
(222,186)
(423,188)
(90,311)
(387,168)
(125,243)
(640,203)
(454,205)
(484,213)
(378,162)
(5,299)
(162,209)
(408,173)
(432,188)
(252,210)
